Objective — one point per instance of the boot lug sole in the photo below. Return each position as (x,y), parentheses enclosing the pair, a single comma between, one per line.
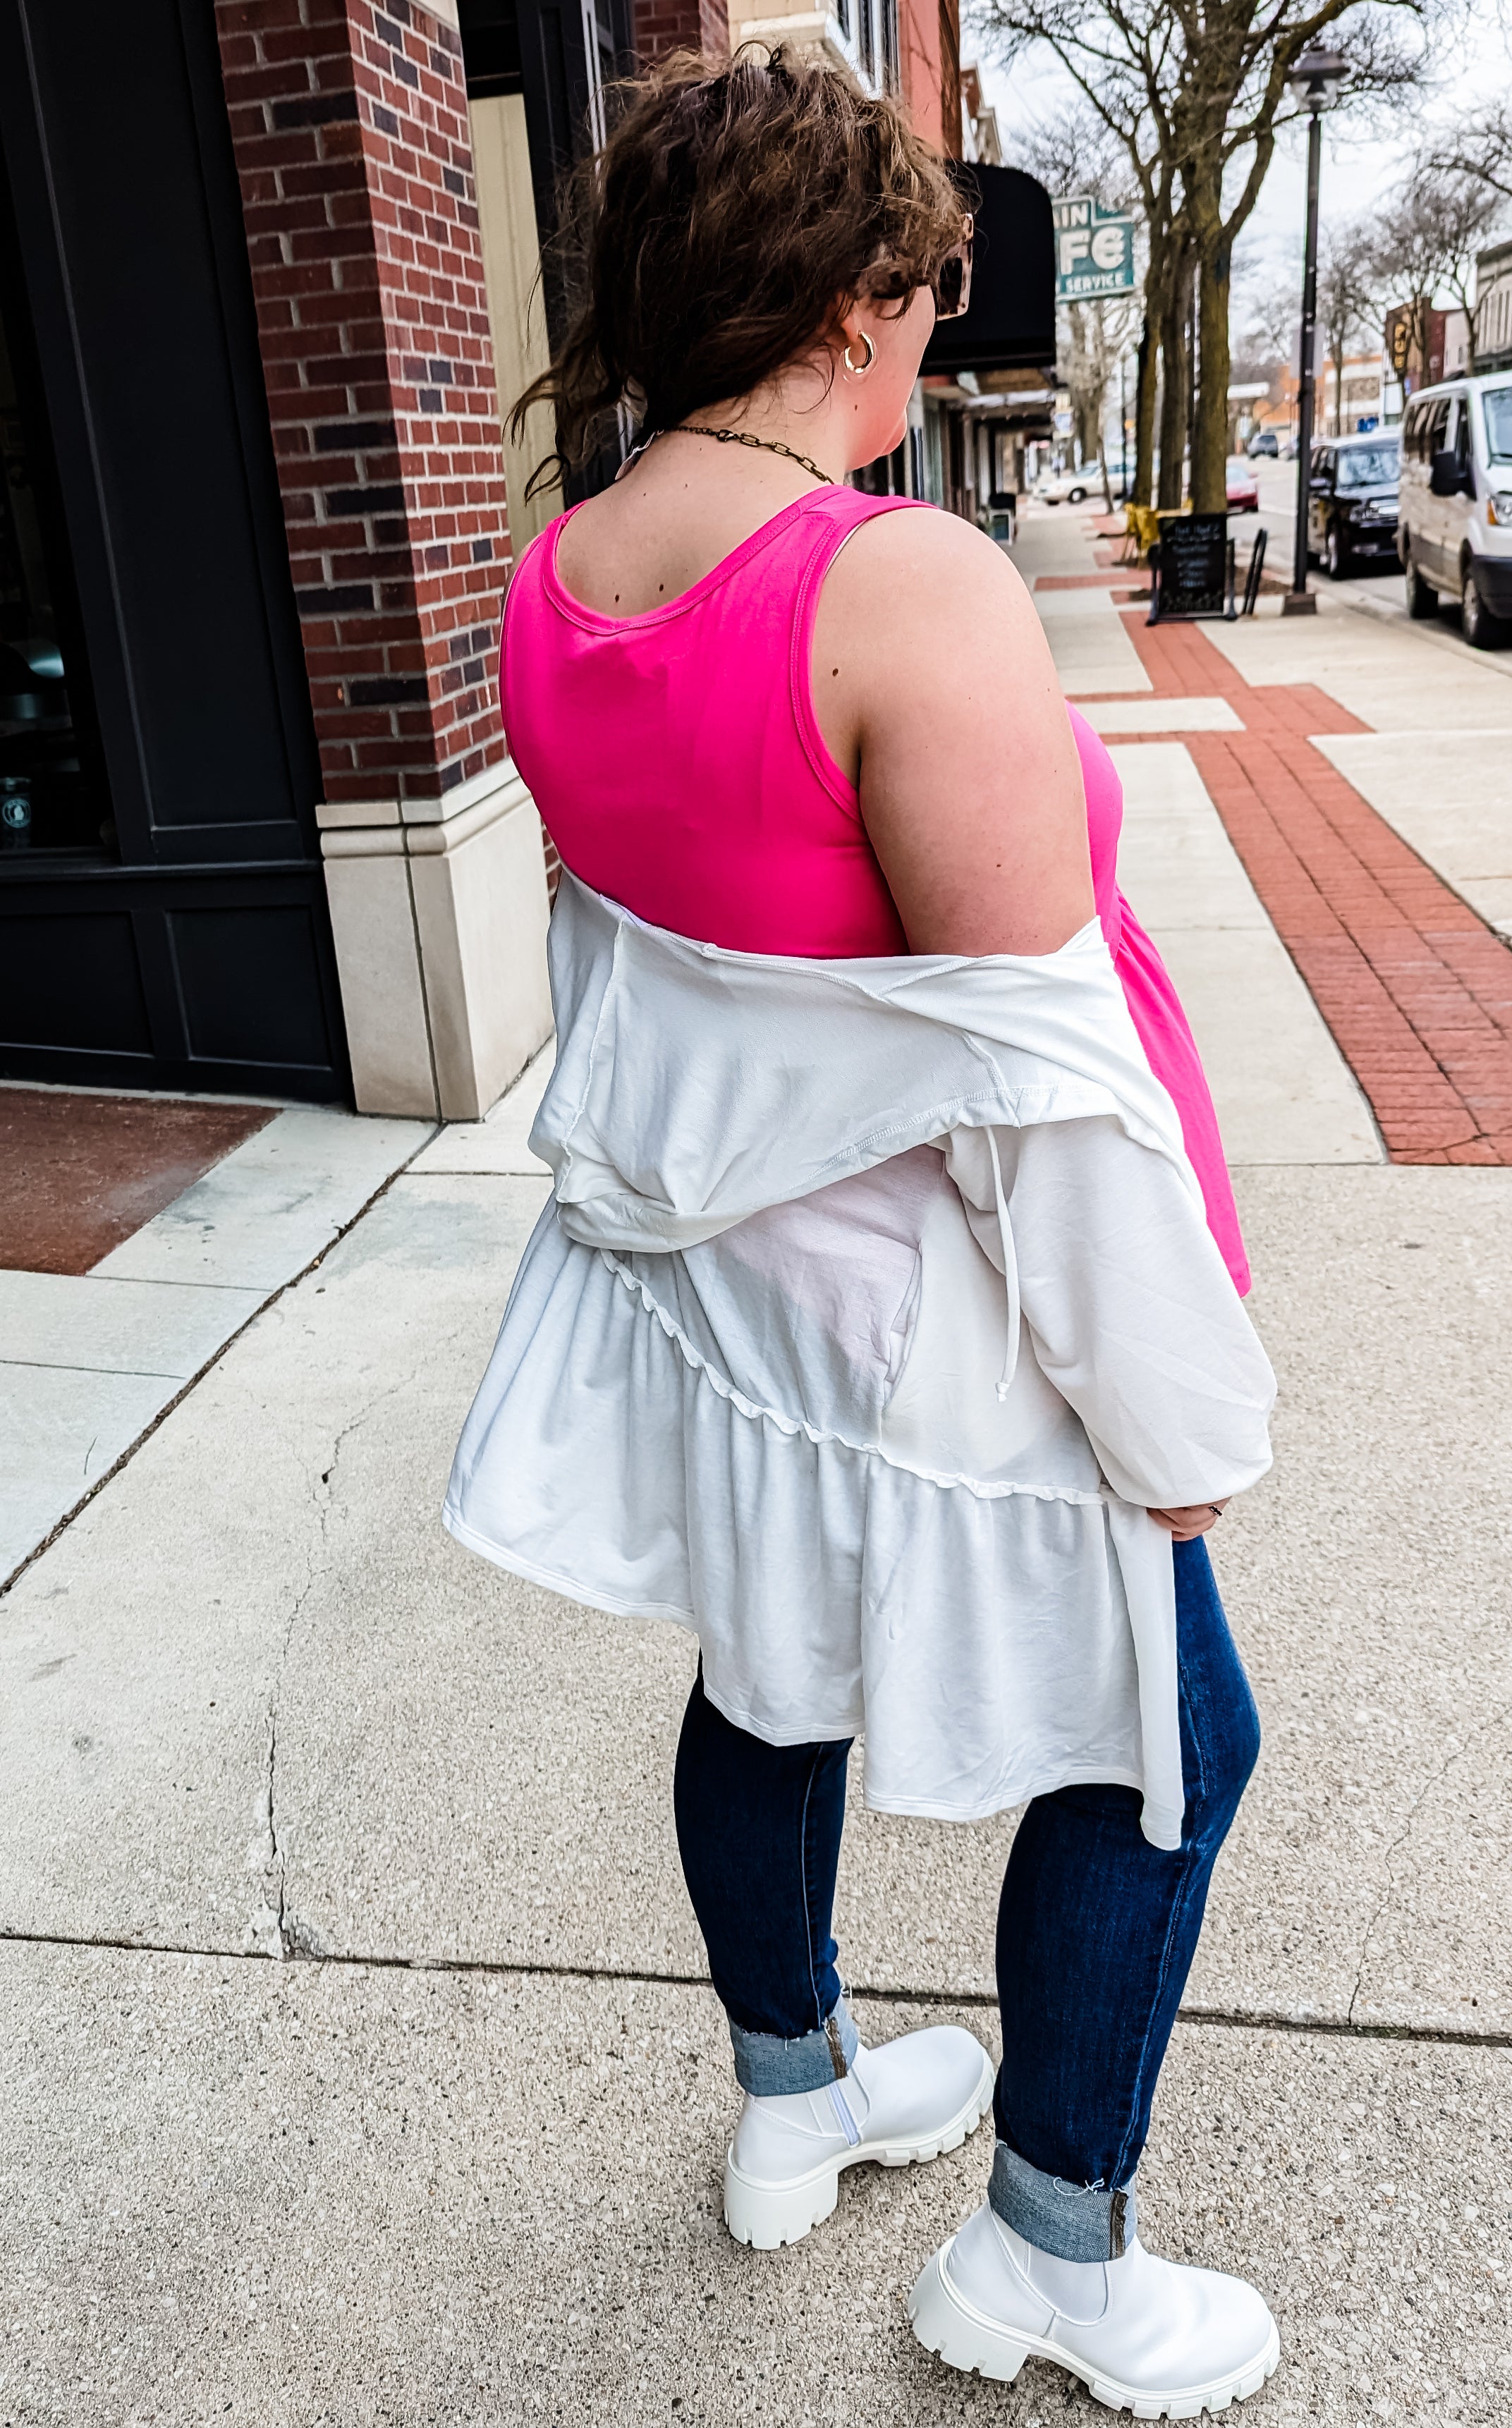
(766,2216)
(965,2339)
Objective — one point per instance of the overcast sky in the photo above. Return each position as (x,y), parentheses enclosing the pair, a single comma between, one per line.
(1360,163)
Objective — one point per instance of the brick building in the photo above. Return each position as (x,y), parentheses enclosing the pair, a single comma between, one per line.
(267,268)
(1493,309)
(260,829)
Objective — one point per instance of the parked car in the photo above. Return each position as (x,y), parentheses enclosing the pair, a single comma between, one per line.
(1352,501)
(1244,491)
(1265,442)
(1455,517)
(1069,488)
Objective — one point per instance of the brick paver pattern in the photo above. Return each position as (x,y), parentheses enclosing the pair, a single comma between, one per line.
(1415,988)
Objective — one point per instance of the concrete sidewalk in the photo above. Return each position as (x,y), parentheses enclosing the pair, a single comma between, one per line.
(96,1347)
(358,2063)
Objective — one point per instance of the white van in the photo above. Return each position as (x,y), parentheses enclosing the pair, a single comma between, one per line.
(1454,509)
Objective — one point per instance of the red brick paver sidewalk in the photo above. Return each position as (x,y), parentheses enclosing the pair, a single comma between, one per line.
(1416,988)
(1107,579)
(79,1172)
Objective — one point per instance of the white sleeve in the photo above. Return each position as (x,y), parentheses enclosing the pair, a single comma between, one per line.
(1134,1316)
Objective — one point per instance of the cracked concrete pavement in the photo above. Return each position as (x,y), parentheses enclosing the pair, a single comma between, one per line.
(358,2060)
(254,1701)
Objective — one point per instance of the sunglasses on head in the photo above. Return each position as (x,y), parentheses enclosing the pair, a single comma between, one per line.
(951,281)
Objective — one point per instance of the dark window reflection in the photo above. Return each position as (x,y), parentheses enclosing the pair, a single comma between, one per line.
(53,796)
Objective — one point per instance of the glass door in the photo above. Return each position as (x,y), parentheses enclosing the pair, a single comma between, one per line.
(54,797)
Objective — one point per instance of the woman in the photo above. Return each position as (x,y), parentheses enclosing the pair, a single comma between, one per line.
(879,1328)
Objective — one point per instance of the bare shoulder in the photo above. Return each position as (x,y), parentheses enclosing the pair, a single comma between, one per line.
(892,552)
(934,684)
(918,597)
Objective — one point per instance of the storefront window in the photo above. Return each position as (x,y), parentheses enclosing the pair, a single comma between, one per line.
(52,793)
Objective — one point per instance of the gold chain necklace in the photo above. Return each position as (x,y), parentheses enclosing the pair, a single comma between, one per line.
(748,438)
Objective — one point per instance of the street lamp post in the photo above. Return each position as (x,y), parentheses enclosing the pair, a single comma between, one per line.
(1315,80)
(1122,422)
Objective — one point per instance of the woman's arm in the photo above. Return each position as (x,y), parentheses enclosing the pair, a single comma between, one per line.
(1135,1320)
(934,688)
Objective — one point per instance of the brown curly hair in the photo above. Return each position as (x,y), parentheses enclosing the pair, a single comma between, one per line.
(717,232)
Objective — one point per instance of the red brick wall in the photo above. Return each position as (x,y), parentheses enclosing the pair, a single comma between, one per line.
(950,77)
(662,25)
(929,41)
(349,123)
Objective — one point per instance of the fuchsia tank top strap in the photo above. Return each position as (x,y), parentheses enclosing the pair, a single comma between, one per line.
(830,519)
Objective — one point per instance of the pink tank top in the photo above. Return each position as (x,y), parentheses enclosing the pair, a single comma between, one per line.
(677,767)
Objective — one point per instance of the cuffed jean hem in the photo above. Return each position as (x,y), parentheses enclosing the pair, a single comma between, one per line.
(1069,2220)
(769,2067)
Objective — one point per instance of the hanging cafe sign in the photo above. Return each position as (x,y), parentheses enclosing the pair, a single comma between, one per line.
(1093,251)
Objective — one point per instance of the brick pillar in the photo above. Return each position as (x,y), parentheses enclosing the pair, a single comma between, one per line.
(662,25)
(350,125)
(925,47)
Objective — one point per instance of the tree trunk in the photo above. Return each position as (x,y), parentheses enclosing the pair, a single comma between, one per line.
(1210,452)
(1173,381)
(1189,341)
(1149,363)
(1146,389)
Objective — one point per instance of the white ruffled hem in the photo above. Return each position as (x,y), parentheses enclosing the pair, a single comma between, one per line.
(819,1435)
(977,1636)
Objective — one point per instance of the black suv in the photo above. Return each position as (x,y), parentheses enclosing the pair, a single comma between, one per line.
(1352,500)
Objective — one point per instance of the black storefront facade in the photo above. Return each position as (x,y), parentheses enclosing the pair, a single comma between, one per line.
(1006,339)
(162,907)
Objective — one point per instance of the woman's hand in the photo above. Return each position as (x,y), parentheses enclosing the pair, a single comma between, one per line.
(1187,1524)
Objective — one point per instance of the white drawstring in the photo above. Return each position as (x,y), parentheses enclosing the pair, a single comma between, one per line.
(1005,1234)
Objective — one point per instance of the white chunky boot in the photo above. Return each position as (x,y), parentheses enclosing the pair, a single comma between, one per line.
(1142,2333)
(898,2104)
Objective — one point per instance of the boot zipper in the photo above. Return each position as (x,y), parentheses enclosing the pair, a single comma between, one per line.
(842,2115)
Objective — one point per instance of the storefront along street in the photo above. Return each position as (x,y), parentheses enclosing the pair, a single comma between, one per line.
(359,2060)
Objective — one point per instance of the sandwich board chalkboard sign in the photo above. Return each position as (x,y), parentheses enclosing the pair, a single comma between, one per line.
(1193,568)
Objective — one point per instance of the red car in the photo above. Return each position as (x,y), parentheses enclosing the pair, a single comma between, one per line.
(1243,489)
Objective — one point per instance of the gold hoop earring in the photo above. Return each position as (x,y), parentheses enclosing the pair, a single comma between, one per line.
(859,371)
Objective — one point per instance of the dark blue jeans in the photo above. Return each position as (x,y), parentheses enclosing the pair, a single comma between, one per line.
(1096,1930)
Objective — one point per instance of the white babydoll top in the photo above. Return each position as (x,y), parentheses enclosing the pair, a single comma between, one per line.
(873,1310)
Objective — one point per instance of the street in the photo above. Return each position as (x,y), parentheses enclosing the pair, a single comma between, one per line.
(359,2062)
(1378,585)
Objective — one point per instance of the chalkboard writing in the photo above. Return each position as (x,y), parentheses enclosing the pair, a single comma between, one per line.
(1195,568)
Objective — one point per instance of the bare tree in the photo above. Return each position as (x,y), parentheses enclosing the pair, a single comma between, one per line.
(1271,325)
(1481,149)
(1073,153)
(1238,98)
(1428,241)
(1348,287)
(1117,102)
(1196,91)
(1097,331)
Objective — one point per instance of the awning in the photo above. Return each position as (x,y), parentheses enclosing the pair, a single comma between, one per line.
(1010,321)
